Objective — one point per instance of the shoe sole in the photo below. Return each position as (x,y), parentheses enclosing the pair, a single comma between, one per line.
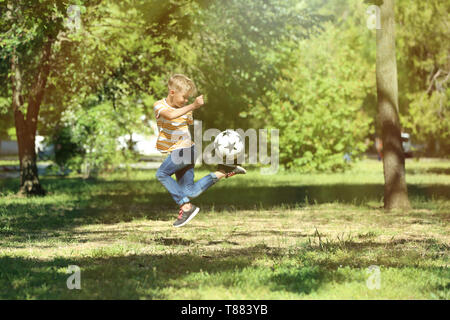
(190,218)
(244,171)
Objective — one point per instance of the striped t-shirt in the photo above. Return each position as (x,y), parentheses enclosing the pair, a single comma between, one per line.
(173,134)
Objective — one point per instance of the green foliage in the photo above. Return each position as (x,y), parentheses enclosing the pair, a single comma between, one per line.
(66,151)
(6,118)
(122,54)
(24,27)
(317,104)
(88,140)
(423,43)
(428,119)
(251,59)
(233,53)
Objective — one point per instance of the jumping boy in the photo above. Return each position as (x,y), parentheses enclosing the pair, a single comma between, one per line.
(174,139)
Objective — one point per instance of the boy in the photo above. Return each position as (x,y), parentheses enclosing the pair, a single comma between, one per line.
(174,139)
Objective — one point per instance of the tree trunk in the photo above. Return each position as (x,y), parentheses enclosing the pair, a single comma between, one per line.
(29,179)
(395,190)
(26,127)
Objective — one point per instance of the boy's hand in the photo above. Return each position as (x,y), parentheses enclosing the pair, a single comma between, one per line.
(198,102)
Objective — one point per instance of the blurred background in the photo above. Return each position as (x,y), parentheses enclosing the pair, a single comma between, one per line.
(306,68)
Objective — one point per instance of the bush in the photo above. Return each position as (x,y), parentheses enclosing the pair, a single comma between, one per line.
(317,105)
(66,149)
(88,141)
(428,120)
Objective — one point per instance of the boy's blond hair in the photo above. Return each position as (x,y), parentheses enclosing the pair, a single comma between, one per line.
(179,82)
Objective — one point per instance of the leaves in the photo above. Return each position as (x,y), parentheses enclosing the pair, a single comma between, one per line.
(261,63)
(318,103)
(424,49)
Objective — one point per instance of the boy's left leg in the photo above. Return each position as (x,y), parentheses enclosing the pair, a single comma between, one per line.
(185,179)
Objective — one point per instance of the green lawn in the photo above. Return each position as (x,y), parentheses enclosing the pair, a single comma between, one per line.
(288,236)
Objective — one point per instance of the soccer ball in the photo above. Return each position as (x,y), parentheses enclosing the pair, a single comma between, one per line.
(228,144)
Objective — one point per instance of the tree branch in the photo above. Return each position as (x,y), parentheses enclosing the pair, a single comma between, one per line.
(445,80)
(436,75)
(16,79)
(438,83)
(37,92)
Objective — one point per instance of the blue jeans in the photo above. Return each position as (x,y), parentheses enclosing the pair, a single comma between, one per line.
(181,162)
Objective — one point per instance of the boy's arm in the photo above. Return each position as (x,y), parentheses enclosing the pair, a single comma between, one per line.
(173,114)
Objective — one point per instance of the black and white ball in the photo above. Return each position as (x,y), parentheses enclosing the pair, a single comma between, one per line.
(229,144)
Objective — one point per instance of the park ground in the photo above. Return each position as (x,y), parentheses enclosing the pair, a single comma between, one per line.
(284,236)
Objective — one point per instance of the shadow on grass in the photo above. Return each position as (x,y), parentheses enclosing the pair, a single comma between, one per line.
(123,277)
(155,276)
(110,202)
(445,171)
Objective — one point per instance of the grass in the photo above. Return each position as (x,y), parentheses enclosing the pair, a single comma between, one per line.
(289,236)
(9,162)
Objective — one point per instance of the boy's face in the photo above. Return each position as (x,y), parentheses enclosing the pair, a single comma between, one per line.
(179,98)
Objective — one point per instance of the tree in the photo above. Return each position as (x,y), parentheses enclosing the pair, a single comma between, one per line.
(122,60)
(120,56)
(30,30)
(317,102)
(233,53)
(423,44)
(395,190)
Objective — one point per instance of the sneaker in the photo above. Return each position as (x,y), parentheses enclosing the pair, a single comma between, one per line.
(186,216)
(231,170)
